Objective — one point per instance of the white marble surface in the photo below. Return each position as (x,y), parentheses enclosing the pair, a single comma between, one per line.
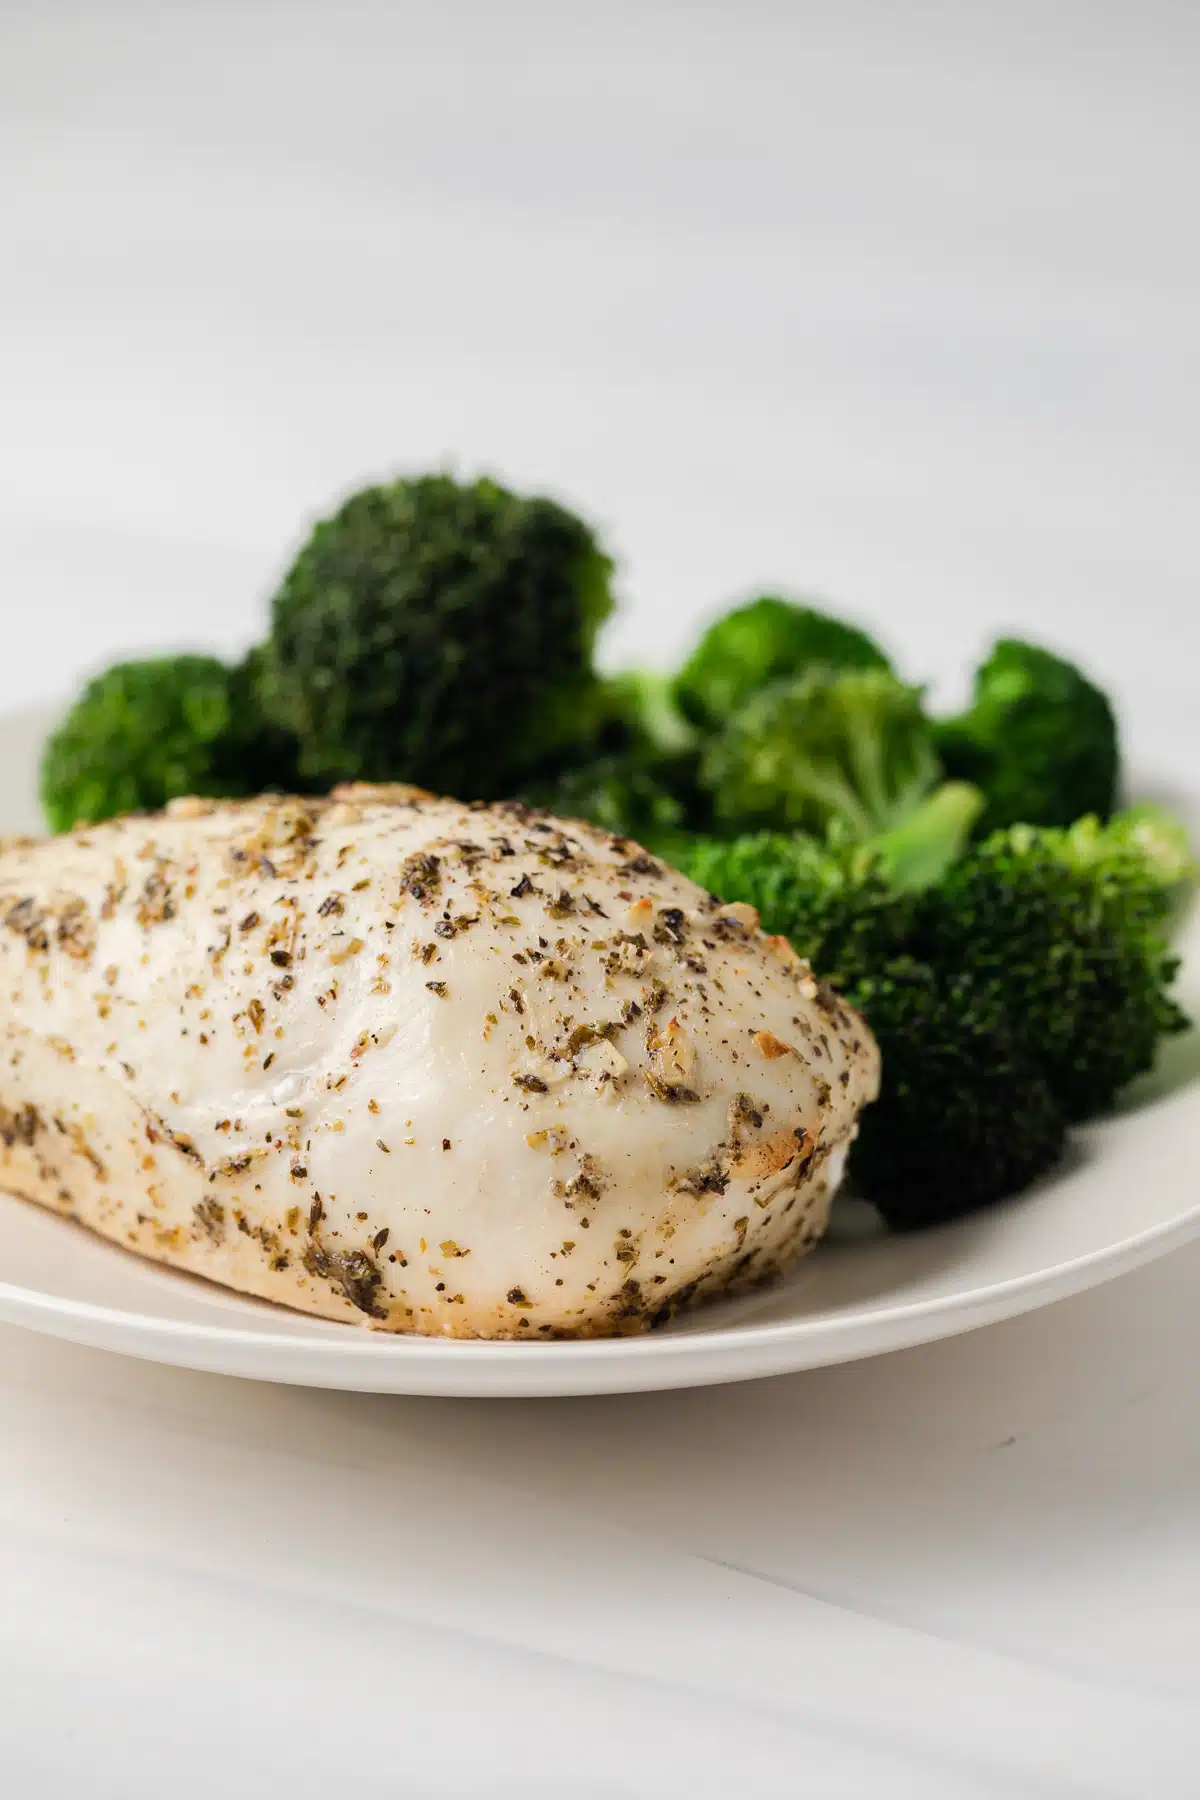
(899,303)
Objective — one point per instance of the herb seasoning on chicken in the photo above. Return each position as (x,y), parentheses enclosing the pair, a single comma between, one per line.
(240,1038)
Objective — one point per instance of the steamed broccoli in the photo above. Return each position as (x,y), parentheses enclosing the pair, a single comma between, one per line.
(635,793)
(642,782)
(147,732)
(835,902)
(916,852)
(441,633)
(965,1115)
(640,713)
(760,642)
(1068,931)
(848,907)
(1019,992)
(1039,738)
(850,747)
(1153,833)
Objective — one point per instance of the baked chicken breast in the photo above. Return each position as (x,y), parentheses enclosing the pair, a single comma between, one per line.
(422,1066)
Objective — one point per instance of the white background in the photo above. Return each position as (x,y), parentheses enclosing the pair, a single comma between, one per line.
(894,304)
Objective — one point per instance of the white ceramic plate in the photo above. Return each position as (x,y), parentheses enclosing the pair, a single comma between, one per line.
(1129,1191)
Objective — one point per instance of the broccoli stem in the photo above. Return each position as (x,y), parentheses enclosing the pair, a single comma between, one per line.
(917,853)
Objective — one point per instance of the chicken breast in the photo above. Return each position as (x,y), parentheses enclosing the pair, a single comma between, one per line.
(422,1066)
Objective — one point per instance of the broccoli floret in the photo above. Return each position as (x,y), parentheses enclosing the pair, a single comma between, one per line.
(1019,993)
(641,713)
(965,1116)
(759,642)
(441,633)
(1156,835)
(147,732)
(1067,930)
(635,793)
(834,902)
(269,755)
(643,783)
(847,907)
(1039,739)
(852,748)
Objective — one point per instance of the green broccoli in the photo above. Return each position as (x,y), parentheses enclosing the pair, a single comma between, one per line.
(848,907)
(1155,834)
(760,642)
(270,755)
(916,852)
(634,793)
(441,633)
(147,732)
(1068,931)
(1016,994)
(835,902)
(641,713)
(642,783)
(965,1115)
(1039,739)
(851,747)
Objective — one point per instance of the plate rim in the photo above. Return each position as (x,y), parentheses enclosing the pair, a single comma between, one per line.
(546,1368)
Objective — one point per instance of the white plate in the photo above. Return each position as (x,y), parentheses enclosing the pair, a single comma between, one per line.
(1129,1191)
